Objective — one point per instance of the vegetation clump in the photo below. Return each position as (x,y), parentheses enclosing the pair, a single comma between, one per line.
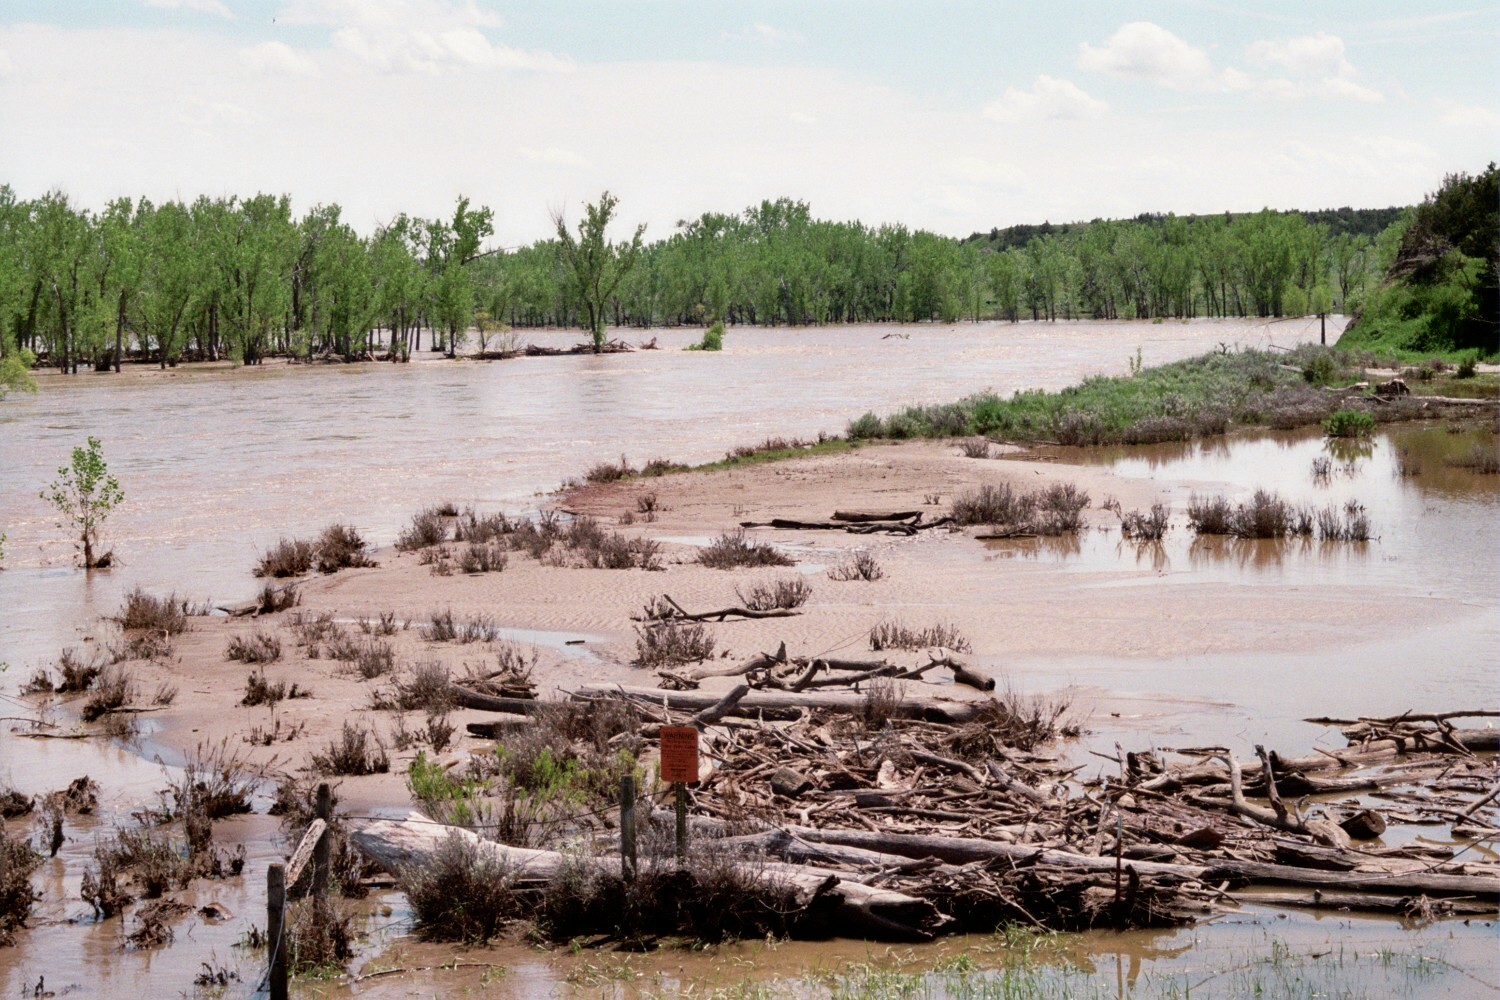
(672,644)
(897,635)
(428,527)
(733,550)
(713,339)
(861,565)
(17,894)
(783,594)
(1348,424)
(164,616)
(1266,515)
(356,751)
(1052,510)
(259,647)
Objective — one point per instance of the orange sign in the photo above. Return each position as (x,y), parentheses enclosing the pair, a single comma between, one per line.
(679,753)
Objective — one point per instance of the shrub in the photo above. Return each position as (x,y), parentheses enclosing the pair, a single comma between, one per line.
(608,472)
(76,675)
(1147,527)
(1349,423)
(1053,510)
(861,565)
(261,647)
(476,528)
(373,659)
(356,751)
(976,448)
(732,549)
(113,689)
(341,547)
(17,895)
(483,558)
(462,891)
(1209,515)
(713,339)
(428,527)
(672,644)
(1481,458)
(272,599)
(425,687)
(778,595)
(143,612)
(259,691)
(661,467)
(895,635)
(1467,365)
(288,557)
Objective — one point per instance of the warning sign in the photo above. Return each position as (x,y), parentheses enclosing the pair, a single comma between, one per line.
(679,753)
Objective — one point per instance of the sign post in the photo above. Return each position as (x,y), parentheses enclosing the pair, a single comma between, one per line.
(679,765)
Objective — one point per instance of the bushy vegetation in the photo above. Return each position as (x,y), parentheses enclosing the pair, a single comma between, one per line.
(1174,402)
(1441,294)
(1267,515)
(1348,424)
(733,550)
(1051,510)
(713,339)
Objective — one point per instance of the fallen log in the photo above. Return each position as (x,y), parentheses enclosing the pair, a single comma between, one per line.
(863,515)
(908,707)
(859,908)
(467,698)
(961,850)
(679,614)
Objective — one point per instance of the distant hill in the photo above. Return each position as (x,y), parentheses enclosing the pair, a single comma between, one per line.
(1353,221)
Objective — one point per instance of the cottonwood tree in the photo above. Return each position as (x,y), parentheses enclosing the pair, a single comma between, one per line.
(84,493)
(594,266)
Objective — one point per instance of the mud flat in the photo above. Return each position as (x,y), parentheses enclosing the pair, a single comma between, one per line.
(1189,643)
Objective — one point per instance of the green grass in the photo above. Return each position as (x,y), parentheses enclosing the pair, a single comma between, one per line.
(1197,397)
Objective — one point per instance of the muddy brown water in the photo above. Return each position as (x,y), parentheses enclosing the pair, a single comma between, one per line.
(218,464)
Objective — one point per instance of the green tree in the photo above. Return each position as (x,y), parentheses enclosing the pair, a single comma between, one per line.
(594,266)
(84,493)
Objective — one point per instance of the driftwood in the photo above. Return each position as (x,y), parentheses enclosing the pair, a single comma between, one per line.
(908,707)
(902,522)
(680,614)
(859,909)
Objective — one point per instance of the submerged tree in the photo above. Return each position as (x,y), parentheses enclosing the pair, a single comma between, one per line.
(84,493)
(594,266)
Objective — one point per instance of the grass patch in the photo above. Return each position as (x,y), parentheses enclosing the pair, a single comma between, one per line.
(143,612)
(113,689)
(428,527)
(259,691)
(1481,458)
(1349,424)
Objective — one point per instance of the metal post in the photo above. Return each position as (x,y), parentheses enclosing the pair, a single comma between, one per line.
(627,828)
(682,828)
(322,850)
(275,906)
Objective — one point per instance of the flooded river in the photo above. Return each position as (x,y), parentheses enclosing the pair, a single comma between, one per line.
(218,464)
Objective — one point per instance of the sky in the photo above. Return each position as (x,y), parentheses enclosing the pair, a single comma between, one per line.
(949,116)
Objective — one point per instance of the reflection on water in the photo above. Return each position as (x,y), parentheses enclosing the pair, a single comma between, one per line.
(1425,511)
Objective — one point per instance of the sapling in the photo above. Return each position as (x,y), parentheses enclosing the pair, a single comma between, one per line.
(84,493)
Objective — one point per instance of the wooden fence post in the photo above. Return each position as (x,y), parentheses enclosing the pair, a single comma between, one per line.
(322,851)
(627,828)
(275,932)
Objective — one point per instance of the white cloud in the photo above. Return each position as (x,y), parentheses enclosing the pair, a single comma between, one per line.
(803,118)
(6,66)
(1047,100)
(1310,55)
(1452,113)
(416,36)
(1318,64)
(201,6)
(278,59)
(1141,50)
(553,156)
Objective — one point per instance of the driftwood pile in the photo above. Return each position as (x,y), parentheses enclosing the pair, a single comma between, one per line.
(859,522)
(900,816)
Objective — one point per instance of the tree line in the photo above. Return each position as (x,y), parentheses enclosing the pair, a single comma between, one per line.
(243,278)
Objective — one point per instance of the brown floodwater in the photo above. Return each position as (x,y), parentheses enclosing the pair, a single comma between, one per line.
(218,464)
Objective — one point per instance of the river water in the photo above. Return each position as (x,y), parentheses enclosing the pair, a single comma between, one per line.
(216,464)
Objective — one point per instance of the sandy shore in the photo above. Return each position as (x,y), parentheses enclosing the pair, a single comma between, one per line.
(1010,606)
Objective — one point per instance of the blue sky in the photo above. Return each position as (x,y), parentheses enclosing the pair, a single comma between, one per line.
(948,116)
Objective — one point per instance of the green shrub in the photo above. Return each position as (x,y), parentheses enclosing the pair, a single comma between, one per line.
(1349,423)
(1467,364)
(713,339)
